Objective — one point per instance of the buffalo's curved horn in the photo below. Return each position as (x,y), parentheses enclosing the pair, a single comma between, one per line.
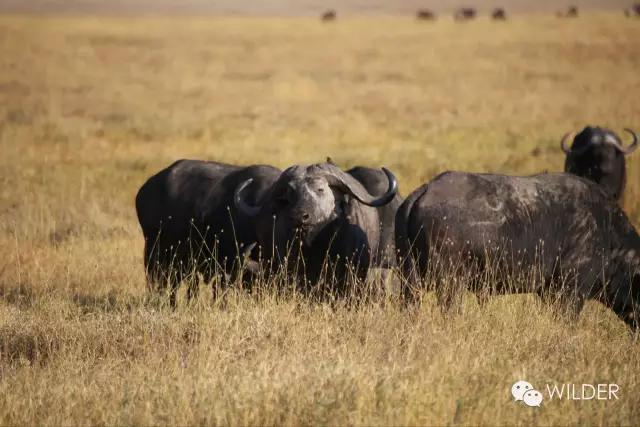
(563,142)
(246,251)
(392,190)
(634,144)
(241,205)
(349,184)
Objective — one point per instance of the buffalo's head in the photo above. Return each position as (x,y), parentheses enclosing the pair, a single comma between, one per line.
(598,154)
(305,200)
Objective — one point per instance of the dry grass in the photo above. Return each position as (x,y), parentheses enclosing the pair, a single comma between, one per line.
(90,107)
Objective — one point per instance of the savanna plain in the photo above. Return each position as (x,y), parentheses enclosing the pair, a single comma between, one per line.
(92,106)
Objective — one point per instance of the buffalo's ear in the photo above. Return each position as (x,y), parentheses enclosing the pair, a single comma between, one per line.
(342,206)
(341,199)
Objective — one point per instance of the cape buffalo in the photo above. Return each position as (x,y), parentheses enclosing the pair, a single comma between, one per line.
(598,154)
(376,183)
(465,14)
(499,14)
(329,15)
(558,235)
(317,222)
(571,12)
(190,224)
(425,15)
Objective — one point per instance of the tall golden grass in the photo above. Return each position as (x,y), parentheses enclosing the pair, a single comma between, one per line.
(90,107)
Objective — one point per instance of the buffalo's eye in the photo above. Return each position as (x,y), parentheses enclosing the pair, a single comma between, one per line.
(320,190)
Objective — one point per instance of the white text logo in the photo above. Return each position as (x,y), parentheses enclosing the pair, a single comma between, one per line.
(523,391)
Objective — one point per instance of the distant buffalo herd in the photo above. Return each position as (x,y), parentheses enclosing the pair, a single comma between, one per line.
(559,234)
(498,14)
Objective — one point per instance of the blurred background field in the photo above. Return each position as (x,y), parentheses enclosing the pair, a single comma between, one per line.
(292,7)
(92,106)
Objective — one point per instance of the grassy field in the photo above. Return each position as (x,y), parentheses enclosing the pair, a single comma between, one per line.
(296,7)
(90,107)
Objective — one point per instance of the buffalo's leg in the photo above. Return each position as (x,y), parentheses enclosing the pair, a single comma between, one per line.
(409,292)
(192,288)
(482,297)
(176,275)
(568,301)
(483,288)
(152,268)
(172,296)
(570,304)
(574,307)
(158,270)
(410,280)
(449,293)
(165,269)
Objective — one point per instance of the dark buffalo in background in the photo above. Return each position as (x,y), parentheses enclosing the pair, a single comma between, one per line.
(190,223)
(561,233)
(633,10)
(571,12)
(376,183)
(318,223)
(599,155)
(499,14)
(329,15)
(425,15)
(465,14)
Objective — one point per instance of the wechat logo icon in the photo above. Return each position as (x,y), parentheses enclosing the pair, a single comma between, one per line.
(524,391)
